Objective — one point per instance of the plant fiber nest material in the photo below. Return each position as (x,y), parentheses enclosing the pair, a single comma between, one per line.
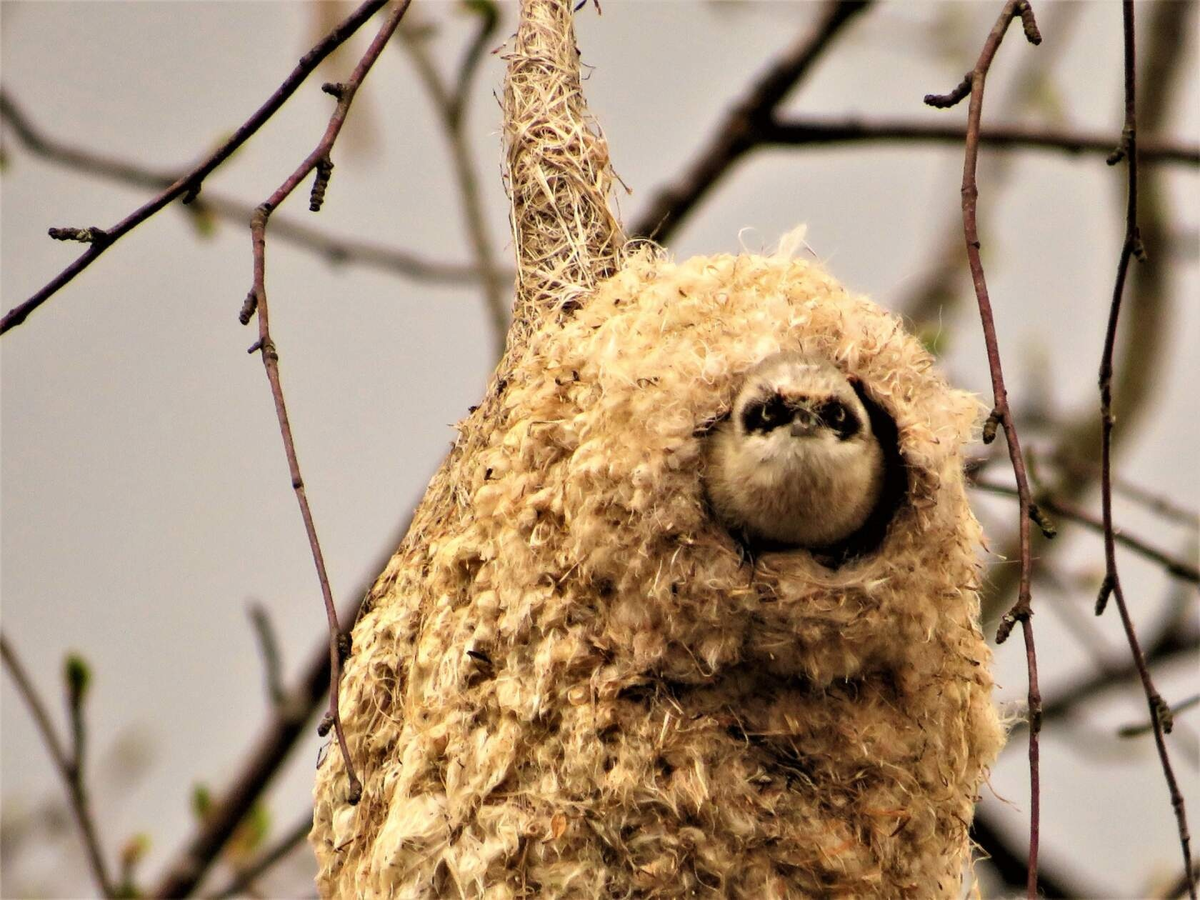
(569,681)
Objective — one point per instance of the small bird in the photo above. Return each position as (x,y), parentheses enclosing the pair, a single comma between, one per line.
(796,462)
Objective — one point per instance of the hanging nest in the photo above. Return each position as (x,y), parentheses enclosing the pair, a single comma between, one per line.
(570,681)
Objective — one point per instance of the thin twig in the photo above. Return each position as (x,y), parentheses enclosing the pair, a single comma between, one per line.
(1146,317)
(738,132)
(1160,715)
(187,186)
(451,108)
(801,132)
(1173,565)
(318,160)
(272,855)
(1001,415)
(69,766)
(937,295)
(324,674)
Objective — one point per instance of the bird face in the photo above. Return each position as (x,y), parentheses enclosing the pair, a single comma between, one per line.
(797,462)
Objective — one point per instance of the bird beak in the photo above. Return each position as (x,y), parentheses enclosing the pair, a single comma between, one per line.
(804,424)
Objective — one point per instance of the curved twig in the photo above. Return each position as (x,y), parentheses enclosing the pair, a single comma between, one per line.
(190,866)
(972,85)
(1160,713)
(317,161)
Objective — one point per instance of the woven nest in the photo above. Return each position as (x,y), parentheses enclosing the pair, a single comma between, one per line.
(569,681)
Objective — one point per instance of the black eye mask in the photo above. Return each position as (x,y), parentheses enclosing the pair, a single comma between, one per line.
(767,415)
(839,418)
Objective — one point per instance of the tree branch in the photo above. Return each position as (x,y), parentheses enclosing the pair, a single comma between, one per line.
(324,673)
(1174,566)
(803,132)
(317,161)
(334,249)
(1160,715)
(1147,320)
(1172,644)
(1001,416)
(188,186)
(69,765)
(934,299)
(739,131)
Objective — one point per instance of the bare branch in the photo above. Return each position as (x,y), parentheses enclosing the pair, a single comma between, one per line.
(1147,318)
(69,765)
(804,132)
(187,186)
(1001,414)
(185,873)
(740,131)
(1160,715)
(317,160)
(336,250)
(1179,568)
(934,299)
(1173,643)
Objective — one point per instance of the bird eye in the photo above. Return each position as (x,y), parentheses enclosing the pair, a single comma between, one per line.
(766,415)
(840,419)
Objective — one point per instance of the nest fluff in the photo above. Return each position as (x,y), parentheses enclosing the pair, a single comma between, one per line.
(570,682)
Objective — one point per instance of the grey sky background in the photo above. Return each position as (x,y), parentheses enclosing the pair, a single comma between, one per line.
(145,495)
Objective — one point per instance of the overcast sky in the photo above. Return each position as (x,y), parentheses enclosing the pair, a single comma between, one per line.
(145,495)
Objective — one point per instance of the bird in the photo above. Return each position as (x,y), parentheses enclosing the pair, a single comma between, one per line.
(796,463)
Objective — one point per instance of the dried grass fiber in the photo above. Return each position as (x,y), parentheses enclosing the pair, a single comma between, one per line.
(568,683)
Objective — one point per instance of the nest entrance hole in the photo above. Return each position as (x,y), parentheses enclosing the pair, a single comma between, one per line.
(868,538)
(870,535)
